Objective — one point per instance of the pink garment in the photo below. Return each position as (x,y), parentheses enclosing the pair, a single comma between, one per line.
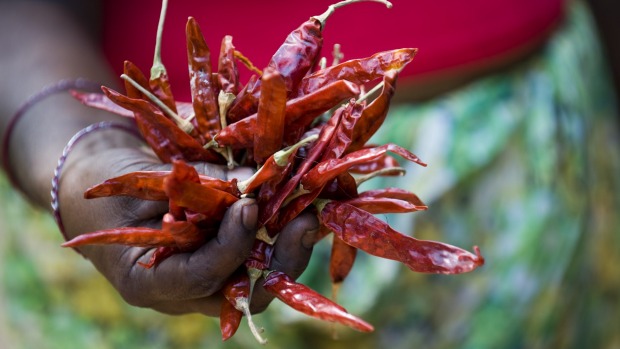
(450,34)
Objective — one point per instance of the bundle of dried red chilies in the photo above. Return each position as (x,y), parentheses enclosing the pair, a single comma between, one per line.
(306,129)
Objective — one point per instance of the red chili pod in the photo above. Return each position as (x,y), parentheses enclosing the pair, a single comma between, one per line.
(160,254)
(374,115)
(364,231)
(202,89)
(136,74)
(195,196)
(246,102)
(386,205)
(341,260)
(130,236)
(298,54)
(304,299)
(269,130)
(101,102)
(300,113)
(341,141)
(359,71)
(393,193)
(227,72)
(145,185)
(327,170)
(230,319)
(186,235)
(166,139)
(272,206)
(382,163)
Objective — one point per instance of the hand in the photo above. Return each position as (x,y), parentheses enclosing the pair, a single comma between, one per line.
(184,282)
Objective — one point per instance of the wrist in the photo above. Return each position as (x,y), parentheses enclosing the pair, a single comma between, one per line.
(34,140)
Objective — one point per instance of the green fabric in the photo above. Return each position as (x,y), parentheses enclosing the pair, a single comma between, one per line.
(525,164)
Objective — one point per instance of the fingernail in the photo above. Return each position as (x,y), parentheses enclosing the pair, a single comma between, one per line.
(249,216)
(309,238)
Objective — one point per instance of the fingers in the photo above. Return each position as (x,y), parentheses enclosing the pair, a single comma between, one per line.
(186,276)
(294,245)
(291,255)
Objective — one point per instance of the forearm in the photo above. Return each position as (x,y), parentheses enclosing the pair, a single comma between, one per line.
(42,45)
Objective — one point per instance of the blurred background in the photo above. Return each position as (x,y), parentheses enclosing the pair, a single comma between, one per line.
(524,162)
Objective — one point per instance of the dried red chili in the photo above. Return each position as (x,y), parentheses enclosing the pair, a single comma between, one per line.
(300,112)
(167,140)
(227,73)
(130,236)
(359,71)
(364,231)
(327,170)
(202,90)
(305,300)
(269,130)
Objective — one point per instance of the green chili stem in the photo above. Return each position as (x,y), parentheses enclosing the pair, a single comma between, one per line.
(224,100)
(243,305)
(281,158)
(184,124)
(371,92)
(391,170)
(158,67)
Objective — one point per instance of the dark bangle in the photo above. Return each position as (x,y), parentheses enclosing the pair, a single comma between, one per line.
(104,125)
(61,86)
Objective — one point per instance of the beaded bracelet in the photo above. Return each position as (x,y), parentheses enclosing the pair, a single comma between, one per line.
(104,125)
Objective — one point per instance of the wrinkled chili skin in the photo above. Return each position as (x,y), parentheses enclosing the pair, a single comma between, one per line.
(343,187)
(305,300)
(359,71)
(260,255)
(300,112)
(269,130)
(382,163)
(166,139)
(343,137)
(138,76)
(230,319)
(130,236)
(325,171)
(341,260)
(186,235)
(145,185)
(364,231)
(298,54)
(227,72)
(385,205)
(200,77)
(374,115)
(246,102)
(237,287)
(272,206)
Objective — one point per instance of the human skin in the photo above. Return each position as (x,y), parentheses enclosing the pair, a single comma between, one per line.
(43,44)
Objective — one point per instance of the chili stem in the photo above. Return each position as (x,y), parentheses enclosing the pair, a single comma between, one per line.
(158,67)
(184,124)
(320,204)
(246,61)
(243,305)
(280,158)
(224,100)
(370,93)
(337,55)
(332,8)
(392,170)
